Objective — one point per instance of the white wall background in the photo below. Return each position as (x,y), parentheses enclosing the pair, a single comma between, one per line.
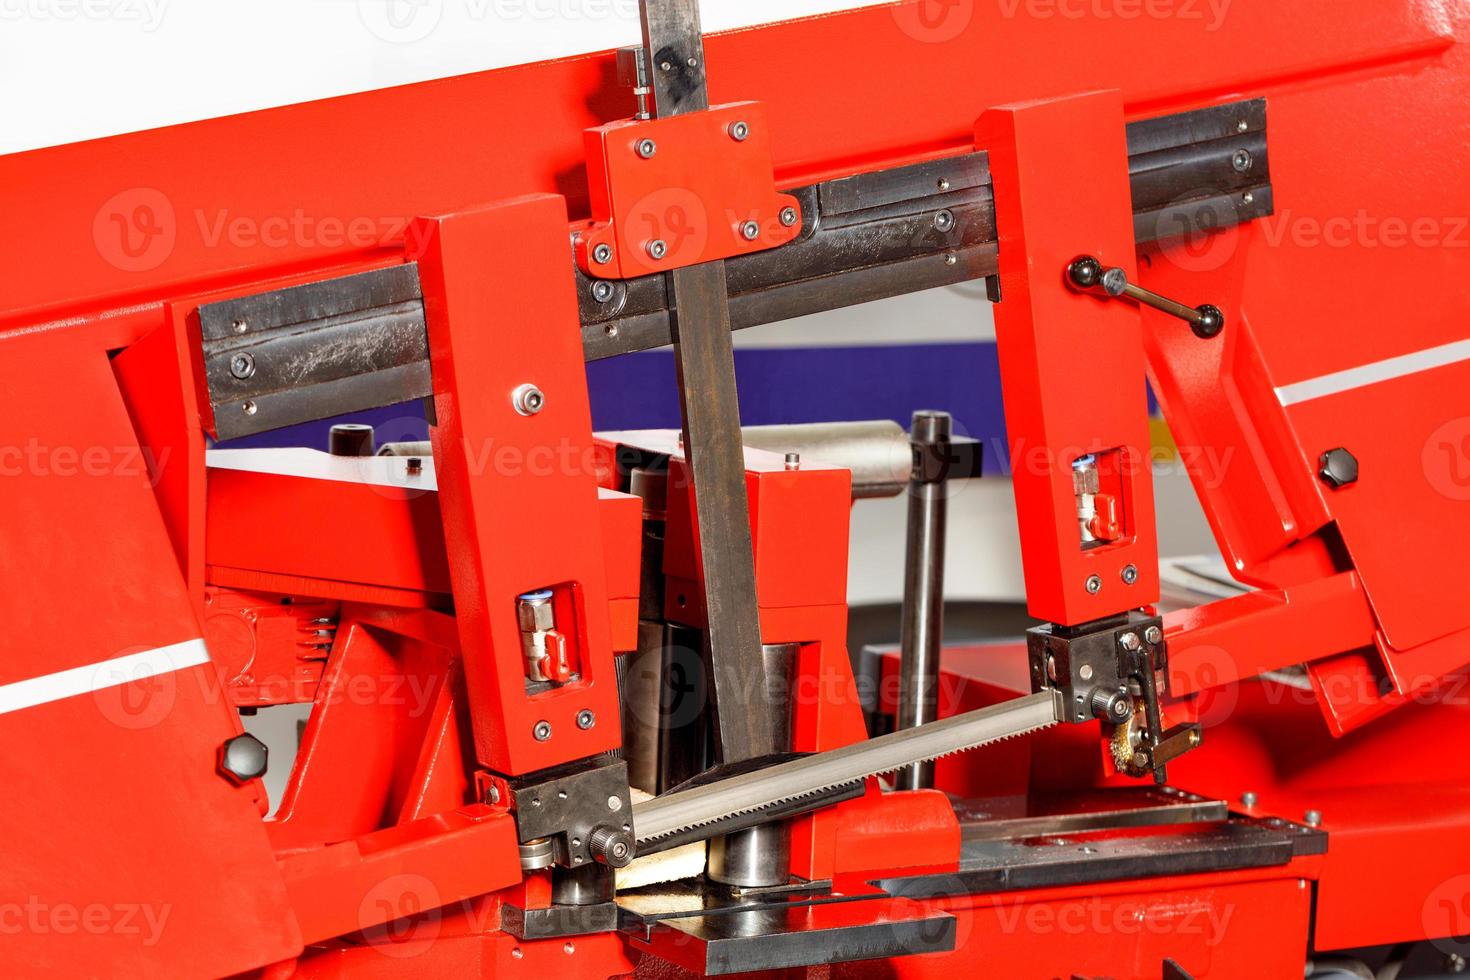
(79,69)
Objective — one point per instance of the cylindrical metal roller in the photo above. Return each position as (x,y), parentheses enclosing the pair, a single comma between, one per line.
(760,856)
(877,452)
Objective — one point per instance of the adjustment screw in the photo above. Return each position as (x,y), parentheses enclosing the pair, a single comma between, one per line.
(250,408)
(1129,641)
(1114,706)
(789,217)
(1130,574)
(542,731)
(1313,818)
(750,231)
(793,461)
(242,365)
(1248,800)
(415,466)
(647,148)
(240,326)
(657,249)
(740,131)
(602,290)
(1241,161)
(602,254)
(1094,584)
(242,759)
(1153,634)
(586,719)
(528,399)
(612,847)
(1337,468)
(944,221)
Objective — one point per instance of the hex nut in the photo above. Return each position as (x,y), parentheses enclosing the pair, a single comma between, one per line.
(242,759)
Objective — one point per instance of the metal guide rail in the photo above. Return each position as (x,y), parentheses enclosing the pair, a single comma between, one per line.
(357,342)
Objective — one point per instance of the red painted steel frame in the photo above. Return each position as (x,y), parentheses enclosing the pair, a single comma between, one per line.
(1071,366)
(113,243)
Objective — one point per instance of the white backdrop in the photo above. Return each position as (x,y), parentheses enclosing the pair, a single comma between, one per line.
(79,69)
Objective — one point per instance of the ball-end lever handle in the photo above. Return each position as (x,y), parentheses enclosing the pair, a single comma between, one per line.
(1088,273)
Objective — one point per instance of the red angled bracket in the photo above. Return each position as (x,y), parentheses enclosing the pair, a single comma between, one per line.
(675,192)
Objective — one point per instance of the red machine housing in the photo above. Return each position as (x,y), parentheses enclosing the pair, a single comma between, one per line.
(153,590)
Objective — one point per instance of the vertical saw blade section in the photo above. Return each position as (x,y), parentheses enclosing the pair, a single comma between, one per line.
(679,813)
(711,410)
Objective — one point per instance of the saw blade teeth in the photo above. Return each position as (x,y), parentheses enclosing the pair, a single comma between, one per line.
(823,787)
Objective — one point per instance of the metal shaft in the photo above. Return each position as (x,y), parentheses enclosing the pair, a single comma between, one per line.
(922,628)
(1162,303)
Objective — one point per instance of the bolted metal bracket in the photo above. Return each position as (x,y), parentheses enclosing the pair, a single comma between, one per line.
(681,191)
(585,810)
(1108,670)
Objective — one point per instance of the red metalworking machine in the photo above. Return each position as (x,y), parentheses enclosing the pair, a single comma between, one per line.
(489,628)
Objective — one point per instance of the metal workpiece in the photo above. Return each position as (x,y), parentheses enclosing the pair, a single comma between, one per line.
(809,776)
(922,623)
(877,452)
(760,856)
